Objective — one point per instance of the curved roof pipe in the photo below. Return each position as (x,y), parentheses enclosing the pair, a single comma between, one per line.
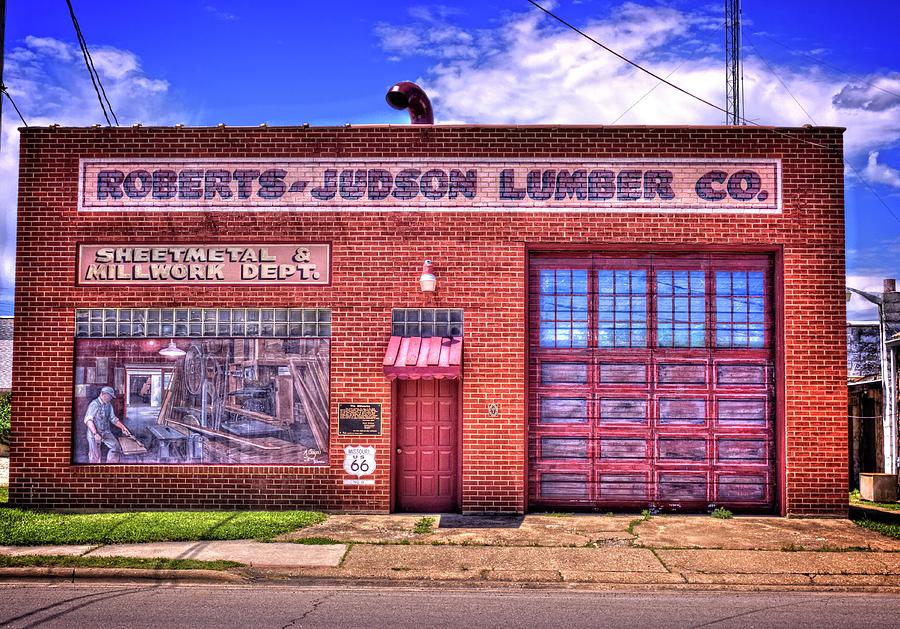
(408,95)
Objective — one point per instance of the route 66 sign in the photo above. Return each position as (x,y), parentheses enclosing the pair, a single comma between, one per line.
(359,460)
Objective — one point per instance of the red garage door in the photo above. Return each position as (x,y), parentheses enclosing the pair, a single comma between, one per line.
(652,382)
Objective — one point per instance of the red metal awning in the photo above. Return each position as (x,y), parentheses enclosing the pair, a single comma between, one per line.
(415,357)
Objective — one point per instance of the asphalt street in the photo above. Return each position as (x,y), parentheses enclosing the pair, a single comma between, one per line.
(112,605)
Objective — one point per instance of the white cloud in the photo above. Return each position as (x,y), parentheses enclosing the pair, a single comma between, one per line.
(219,14)
(530,70)
(49,82)
(881,173)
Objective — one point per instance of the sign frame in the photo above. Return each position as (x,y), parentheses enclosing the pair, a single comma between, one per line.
(324,280)
(485,205)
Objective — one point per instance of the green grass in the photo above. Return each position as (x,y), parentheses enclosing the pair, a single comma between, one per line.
(113,562)
(645,515)
(317,541)
(30,528)
(424,526)
(721,513)
(856,500)
(891,530)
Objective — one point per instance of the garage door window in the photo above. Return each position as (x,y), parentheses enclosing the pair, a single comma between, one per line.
(564,308)
(681,308)
(622,308)
(740,309)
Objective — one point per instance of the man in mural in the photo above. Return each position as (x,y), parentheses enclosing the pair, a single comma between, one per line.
(99,419)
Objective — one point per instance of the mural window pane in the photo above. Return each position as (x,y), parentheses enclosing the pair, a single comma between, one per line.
(740,309)
(622,308)
(563,308)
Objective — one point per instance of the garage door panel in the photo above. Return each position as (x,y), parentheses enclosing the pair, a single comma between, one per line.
(623,411)
(672,400)
(564,448)
(743,412)
(744,487)
(681,374)
(564,486)
(564,410)
(623,373)
(564,373)
(747,375)
(742,451)
(683,449)
(624,487)
(624,448)
(675,411)
(681,486)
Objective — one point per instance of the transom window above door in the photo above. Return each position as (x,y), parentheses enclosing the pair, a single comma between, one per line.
(653,302)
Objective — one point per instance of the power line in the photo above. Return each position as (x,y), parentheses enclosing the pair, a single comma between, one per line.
(647,93)
(783,84)
(714,106)
(89,62)
(3,90)
(833,67)
(670,84)
(846,162)
(626,59)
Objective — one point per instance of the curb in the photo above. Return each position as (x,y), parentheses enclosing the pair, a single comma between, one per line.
(859,511)
(120,574)
(286,577)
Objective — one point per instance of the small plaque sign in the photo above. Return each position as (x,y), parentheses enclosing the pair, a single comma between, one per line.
(359,419)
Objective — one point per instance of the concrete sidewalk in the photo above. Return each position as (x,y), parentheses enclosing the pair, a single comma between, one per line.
(555,551)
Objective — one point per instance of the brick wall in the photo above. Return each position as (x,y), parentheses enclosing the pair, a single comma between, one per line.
(480,260)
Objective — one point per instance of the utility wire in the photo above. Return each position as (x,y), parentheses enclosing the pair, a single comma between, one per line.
(722,109)
(846,162)
(646,94)
(783,84)
(833,67)
(3,90)
(89,63)
(626,59)
(670,84)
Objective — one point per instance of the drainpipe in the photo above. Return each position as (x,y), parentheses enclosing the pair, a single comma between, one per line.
(888,422)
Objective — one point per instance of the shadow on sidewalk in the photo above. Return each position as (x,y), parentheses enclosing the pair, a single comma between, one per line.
(455,521)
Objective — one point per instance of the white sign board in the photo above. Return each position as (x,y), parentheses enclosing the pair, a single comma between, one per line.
(359,461)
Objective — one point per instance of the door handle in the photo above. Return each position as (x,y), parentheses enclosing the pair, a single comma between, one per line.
(399,450)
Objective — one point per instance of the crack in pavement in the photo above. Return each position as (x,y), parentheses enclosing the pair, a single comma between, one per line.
(315,605)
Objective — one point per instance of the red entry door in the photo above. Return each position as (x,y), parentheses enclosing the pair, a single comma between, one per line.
(426,460)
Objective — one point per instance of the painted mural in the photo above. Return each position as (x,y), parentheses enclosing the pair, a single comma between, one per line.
(240,401)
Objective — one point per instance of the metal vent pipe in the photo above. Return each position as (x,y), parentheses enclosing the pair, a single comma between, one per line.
(408,95)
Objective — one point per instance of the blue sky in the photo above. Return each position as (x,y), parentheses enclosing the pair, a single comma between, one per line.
(493,61)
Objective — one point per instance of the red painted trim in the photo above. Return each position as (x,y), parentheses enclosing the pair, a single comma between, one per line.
(459,444)
(526,434)
(394,463)
(780,384)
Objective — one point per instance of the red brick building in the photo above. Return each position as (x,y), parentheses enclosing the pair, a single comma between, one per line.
(623,317)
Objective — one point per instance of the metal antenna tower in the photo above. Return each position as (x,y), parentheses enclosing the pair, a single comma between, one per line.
(734,72)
